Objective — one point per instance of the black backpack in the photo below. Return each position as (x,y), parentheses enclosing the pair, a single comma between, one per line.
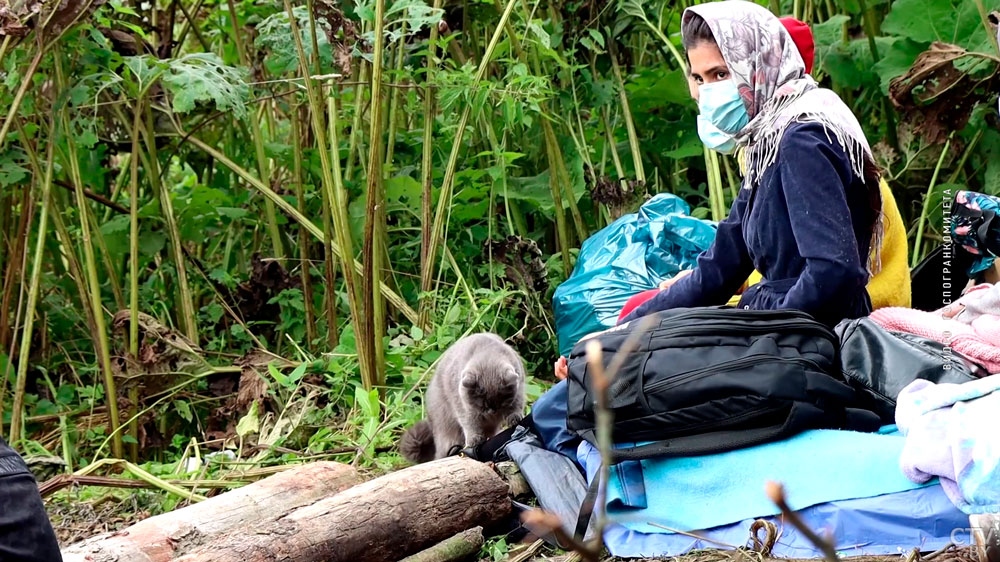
(708,380)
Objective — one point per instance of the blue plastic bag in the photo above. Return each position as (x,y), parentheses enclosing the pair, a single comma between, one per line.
(633,254)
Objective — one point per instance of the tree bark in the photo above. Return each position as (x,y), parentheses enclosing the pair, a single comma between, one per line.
(165,537)
(383,519)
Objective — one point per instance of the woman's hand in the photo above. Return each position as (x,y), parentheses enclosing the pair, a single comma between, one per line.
(680,275)
(561,368)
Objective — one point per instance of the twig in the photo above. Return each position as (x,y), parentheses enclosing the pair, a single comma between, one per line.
(527,553)
(776,492)
(938,552)
(61,481)
(692,535)
(93,197)
(543,523)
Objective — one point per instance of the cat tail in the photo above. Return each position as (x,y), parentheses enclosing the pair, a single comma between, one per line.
(417,444)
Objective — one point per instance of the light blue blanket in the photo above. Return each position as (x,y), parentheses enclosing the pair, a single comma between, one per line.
(692,493)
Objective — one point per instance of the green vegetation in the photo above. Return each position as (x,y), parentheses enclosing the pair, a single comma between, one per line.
(255,226)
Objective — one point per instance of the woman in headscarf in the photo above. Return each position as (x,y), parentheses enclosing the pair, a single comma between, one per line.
(809,212)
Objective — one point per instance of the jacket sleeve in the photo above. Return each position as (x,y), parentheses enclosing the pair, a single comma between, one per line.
(720,271)
(815,174)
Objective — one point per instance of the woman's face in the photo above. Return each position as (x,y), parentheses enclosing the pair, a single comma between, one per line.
(706,66)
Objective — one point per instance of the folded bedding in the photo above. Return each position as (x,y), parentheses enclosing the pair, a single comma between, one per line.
(817,466)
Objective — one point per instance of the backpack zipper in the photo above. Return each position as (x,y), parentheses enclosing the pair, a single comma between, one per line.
(725,367)
(706,329)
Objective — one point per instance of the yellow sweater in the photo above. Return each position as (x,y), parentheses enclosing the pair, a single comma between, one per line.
(891,285)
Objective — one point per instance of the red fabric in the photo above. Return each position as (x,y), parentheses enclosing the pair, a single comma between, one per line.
(803,38)
(635,301)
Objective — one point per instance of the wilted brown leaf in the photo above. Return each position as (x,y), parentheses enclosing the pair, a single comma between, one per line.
(937,95)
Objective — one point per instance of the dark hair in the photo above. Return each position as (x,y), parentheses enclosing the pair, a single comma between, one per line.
(695,31)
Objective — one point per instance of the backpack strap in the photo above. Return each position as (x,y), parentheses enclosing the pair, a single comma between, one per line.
(701,444)
(587,508)
(487,450)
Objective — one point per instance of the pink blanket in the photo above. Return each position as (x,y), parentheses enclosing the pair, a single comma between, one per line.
(977,338)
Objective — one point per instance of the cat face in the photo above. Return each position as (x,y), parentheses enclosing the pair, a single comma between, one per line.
(491,390)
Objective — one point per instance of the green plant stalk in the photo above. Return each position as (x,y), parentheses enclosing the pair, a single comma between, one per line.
(491,135)
(109,266)
(715,194)
(633,138)
(870,30)
(90,263)
(24,355)
(984,17)
(257,137)
(356,128)
(448,182)
(189,321)
(563,177)
(916,256)
(615,158)
(554,152)
(734,184)
(119,184)
(6,205)
(965,155)
(69,245)
(133,303)
(304,240)
(333,183)
(562,232)
(397,301)
(144,476)
(427,164)
(19,96)
(374,229)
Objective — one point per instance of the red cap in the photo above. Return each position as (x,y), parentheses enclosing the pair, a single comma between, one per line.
(803,38)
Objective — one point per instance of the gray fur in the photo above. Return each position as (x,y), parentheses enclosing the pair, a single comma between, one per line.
(477,390)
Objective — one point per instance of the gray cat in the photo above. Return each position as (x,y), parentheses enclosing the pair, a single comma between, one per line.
(477,390)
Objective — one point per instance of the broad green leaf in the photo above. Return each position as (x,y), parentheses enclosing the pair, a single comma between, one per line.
(297,374)
(274,36)
(897,60)
(151,243)
(991,177)
(250,423)
(11,171)
(407,17)
(183,410)
(144,70)
(277,375)
(543,36)
(201,77)
(951,21)
(416,333)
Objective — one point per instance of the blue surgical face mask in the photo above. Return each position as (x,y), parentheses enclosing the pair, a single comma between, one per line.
(714,138)
(720,103)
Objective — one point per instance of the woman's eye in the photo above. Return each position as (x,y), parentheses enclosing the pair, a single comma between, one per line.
(698,80)
(722,75)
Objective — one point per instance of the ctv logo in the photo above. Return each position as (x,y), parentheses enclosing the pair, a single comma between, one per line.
(986,537)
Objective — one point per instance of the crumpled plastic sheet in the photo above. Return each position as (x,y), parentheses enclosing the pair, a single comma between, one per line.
(633,254)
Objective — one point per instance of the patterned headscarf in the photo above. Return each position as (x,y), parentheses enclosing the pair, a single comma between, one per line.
(771,77)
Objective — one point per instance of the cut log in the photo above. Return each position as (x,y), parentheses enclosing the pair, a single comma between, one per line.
(459,547)
(387,518)
(164,537)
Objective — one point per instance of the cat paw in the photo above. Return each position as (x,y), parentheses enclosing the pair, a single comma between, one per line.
(512,420)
